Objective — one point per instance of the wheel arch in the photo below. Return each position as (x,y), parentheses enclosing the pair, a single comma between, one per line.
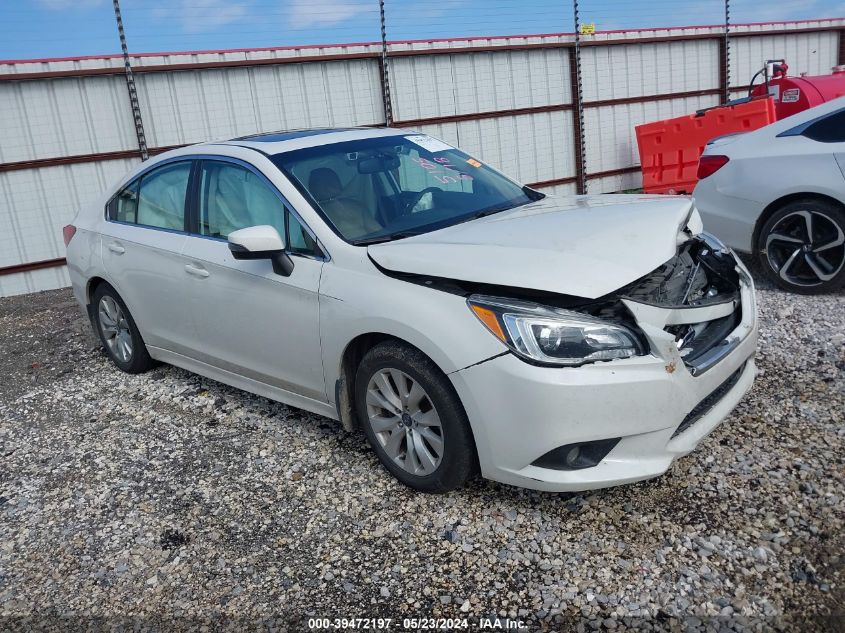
(90,288)
(773,206)
(352,355)
(92,285)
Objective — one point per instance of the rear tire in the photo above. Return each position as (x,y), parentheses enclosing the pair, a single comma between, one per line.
(413,419)
(118,332)
(801,247)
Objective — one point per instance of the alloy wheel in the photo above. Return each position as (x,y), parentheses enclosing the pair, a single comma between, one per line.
(806,248)
(404,421)
(115,329)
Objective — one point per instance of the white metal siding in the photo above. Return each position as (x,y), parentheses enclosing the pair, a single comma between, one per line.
(616,183)
(811,53)
(636,70)
(191,107)
(529,148)
(610,137)
(34,281)
(63,117)
(36,203)
(52,118)
(445,85)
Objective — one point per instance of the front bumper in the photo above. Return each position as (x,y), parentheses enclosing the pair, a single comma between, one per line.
(520,411)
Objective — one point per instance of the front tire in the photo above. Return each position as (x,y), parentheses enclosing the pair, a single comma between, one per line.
(413,419)
(802,246)
(118,332)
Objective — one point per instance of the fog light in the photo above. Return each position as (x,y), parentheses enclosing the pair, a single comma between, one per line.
(576,456)
(572,456)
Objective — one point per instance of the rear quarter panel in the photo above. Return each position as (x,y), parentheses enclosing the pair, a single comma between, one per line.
(732,200)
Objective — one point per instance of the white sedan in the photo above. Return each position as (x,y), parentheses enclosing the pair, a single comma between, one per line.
(390,281)
(779,193)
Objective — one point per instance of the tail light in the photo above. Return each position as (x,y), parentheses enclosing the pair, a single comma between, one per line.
(709,165)
(68,231)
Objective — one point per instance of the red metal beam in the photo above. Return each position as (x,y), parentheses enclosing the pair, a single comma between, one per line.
(25,268)
(163,68)
(37,163)
(449,50)
(687,27)
(476,116)
(614,172)
(554,181)
(649,98)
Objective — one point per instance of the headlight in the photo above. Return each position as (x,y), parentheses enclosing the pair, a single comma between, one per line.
(551,335)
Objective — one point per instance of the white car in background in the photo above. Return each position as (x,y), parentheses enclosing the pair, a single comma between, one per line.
(779,193)
(390,281)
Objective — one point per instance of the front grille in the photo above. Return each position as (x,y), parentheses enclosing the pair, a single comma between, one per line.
(704,407)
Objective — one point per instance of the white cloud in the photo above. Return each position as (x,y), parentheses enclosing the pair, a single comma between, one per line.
(317,13)
(210,15)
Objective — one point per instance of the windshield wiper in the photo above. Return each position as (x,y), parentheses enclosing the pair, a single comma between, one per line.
(491,210)
(378,239)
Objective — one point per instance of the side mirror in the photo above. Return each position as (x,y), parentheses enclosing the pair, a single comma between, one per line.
(261,242)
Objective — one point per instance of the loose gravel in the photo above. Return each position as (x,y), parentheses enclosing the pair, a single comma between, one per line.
(167,497)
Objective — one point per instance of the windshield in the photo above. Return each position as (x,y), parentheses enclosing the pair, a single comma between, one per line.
(379,189)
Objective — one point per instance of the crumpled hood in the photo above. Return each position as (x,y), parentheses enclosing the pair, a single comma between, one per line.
(586,246)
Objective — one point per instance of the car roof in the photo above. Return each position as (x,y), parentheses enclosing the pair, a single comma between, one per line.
(272,143)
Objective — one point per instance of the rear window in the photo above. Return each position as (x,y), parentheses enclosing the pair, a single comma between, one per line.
(830,129)
(156,199)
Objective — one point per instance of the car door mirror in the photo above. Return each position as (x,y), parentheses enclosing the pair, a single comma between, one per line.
(261,242)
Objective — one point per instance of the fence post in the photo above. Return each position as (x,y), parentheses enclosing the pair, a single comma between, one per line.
(385,73)
(841,58)
(578,110)
(130,85)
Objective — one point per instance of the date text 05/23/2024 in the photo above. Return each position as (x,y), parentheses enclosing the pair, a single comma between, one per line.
(417,624)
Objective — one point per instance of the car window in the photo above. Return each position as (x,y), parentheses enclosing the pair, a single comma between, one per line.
(233,197)
(830,129)
(299,240)
(383,188)
(124,206)
(161,199)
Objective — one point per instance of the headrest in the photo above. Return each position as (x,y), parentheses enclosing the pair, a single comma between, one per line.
(324,184)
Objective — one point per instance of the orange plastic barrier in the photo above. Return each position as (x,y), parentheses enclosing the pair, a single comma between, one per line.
(669,149)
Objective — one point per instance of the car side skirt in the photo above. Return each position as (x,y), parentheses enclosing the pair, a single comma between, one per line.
(241,382)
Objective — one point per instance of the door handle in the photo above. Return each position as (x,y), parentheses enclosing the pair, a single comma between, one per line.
(196,271)
(116,248)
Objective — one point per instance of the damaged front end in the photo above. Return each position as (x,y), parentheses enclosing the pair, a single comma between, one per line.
(689,310)
(698,293)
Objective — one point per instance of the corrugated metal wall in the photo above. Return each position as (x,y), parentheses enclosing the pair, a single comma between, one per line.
(811,53)
(529,147)
(508,101)
(180,108)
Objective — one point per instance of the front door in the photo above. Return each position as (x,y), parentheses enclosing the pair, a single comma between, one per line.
(249,320)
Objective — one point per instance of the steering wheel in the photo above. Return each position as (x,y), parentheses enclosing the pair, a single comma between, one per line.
(409,207)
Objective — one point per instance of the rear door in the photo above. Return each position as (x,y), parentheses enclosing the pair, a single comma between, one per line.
(142,241)
(830,130)
(248,319)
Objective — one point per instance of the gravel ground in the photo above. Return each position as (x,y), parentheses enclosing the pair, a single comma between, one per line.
(167,497)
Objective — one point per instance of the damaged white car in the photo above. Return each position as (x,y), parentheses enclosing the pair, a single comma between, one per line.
(388,280)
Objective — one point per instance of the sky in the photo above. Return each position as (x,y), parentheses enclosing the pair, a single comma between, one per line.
(70,28)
